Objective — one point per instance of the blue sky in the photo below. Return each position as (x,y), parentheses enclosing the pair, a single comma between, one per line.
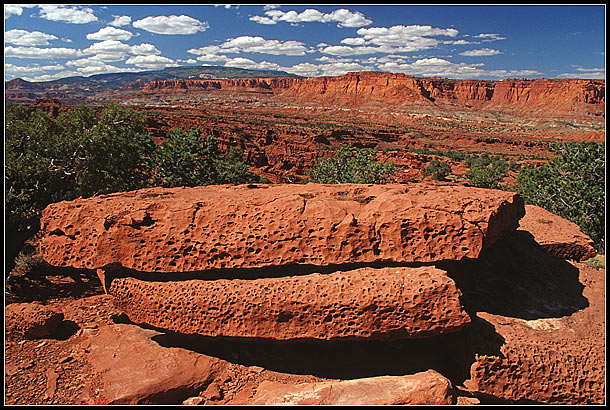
(46,42)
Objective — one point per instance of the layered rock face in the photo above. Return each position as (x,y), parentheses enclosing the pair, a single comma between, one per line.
(441,269)
(227,227)
(387,303)
(376,89)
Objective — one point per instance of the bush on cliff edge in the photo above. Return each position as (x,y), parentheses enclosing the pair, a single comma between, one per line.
(571,185)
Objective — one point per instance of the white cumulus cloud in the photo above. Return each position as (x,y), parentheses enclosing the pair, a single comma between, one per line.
(69,14)
(171,25)
(250,44)
(41,53)
(120,21)
(110,33)
(481,52)
(151,61)
(343,17)
(28,38)
(15,9)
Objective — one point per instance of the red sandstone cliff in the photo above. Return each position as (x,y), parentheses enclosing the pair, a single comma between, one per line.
(389,89)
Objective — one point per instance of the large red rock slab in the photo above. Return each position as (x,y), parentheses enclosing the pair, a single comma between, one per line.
(30,320)
(557,235)
(251,226)
(367,303)
(428,387)
(131,368)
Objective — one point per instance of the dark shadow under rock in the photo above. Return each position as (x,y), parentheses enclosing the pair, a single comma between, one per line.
(516,277)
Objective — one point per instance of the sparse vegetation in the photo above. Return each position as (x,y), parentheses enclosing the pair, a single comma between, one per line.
(486,171)
(351,165)
(437,170)
(571,185)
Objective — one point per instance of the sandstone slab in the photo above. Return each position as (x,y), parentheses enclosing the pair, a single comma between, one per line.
(30,320)
(366,303)
(428,387)
(253,226)
(557,235)
(132,368)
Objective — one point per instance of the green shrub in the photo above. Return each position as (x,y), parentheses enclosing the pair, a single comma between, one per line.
(486,171)
(571,185)
(187,159)
(437,170)
(351,165)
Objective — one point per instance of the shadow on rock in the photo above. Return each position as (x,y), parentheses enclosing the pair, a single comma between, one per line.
(327,359)
(517,278)
(65,330)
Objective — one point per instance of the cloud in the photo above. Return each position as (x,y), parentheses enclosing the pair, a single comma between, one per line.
(489,37)
(14,70)
(343,17)
(171,25)
(438,67)
(358,41)
(151,61)
(144,49)
(395,39)
(69,14)
(270,7)
(263,20)
(15,9)
(27,38)
(404,36)
(110,33)
(120,21)
(42,53)
(482,52)
(586,73)
(108,47)
(249,44)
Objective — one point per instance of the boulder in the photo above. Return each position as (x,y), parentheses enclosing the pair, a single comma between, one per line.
(253,226)
(428,387)
(132,368)
(30,320)
(365,303)
(557,235)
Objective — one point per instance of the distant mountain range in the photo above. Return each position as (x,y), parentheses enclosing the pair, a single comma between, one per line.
(78,86)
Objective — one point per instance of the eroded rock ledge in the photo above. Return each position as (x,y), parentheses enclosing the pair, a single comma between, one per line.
(251,226)
(367,303)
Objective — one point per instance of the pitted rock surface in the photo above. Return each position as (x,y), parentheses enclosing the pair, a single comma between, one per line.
(30,320)
(250,226)
(557,235)
(386,303)
(428,387)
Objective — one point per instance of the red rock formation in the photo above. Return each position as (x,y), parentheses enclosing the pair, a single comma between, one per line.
(556,235)
(367,303)
(377,90)
(30,320)
(50,105)
(538,328)
(425,388)
(202,228)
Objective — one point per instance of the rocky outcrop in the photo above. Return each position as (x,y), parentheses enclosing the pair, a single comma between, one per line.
(30,320)
(367,304)
(556,235)
(255,226)
(422,388)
